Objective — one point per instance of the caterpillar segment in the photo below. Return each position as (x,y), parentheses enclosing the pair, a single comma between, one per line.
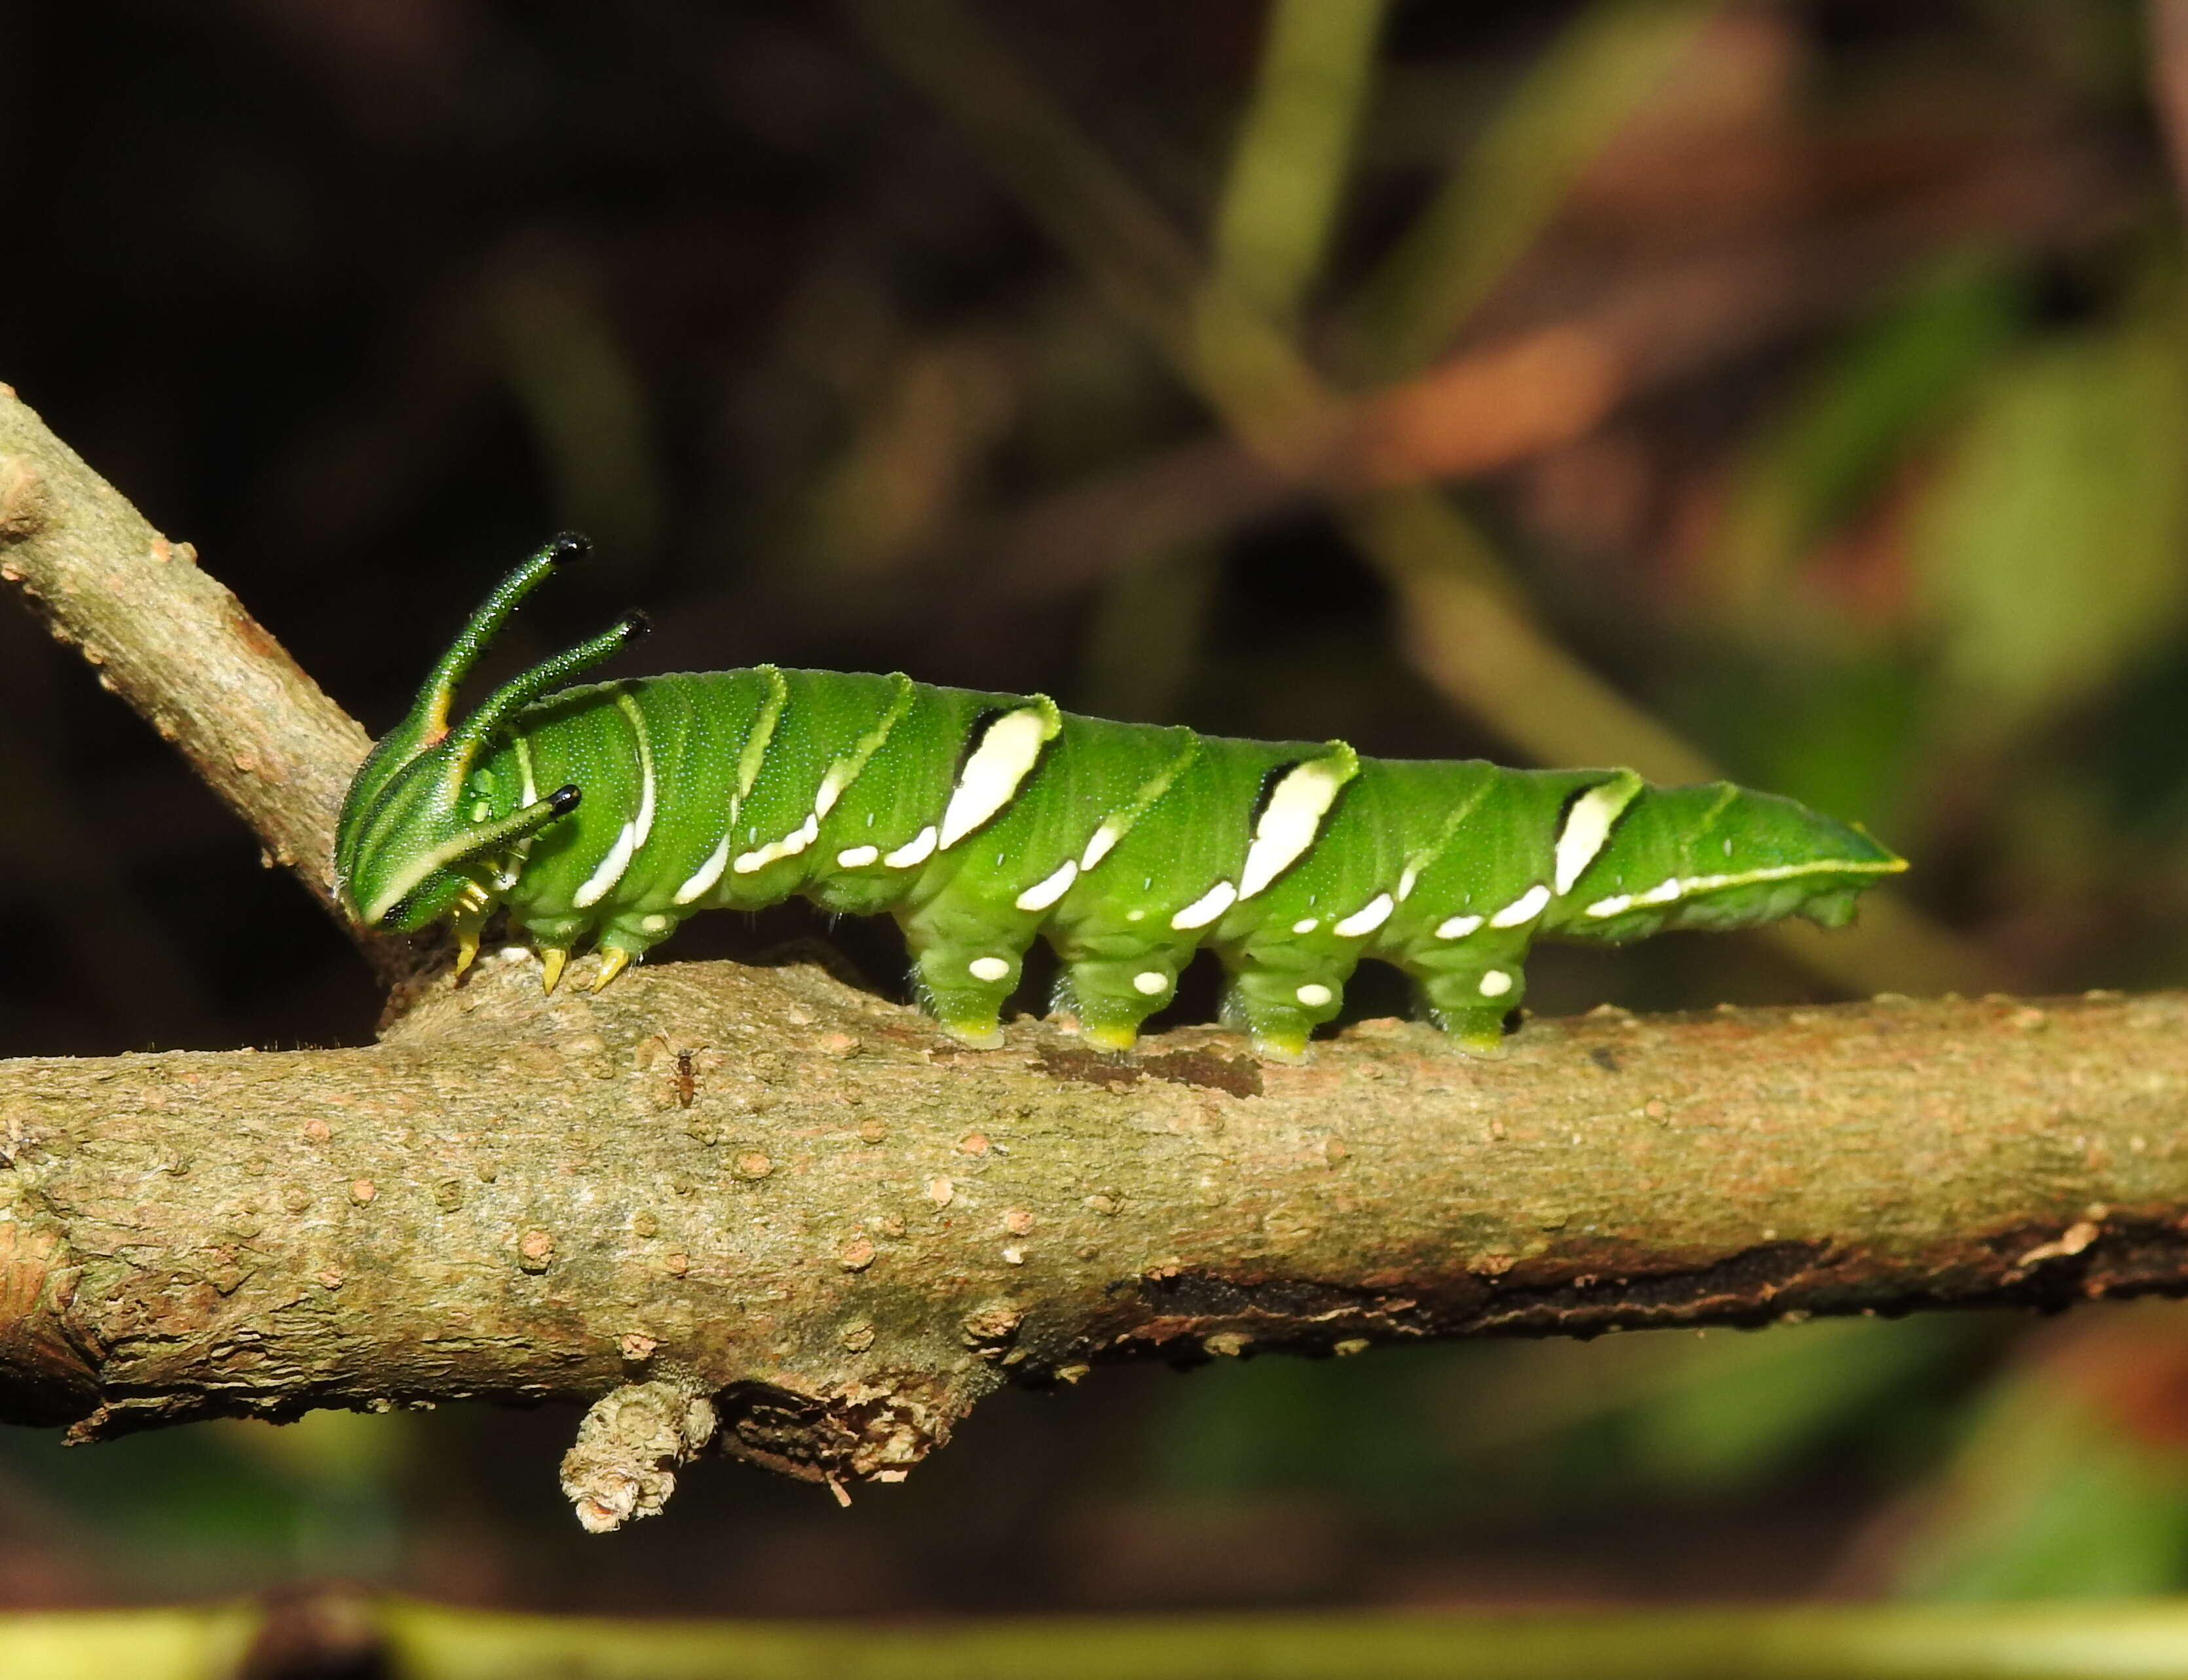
(984,821)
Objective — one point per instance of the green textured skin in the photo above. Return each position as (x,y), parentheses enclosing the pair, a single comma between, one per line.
(702,791)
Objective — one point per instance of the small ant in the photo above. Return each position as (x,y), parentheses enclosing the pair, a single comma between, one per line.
(685,1081)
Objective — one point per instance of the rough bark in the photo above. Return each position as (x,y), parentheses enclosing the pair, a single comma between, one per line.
(856,1228)
(760,1195)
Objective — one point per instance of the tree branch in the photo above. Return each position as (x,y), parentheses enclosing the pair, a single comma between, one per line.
(858,1229)
(848,1229)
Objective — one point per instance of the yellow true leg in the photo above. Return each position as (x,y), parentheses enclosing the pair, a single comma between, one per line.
(613,961)
(552,961)
(470,917)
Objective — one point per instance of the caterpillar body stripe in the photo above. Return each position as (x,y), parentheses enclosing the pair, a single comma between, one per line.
(982,821)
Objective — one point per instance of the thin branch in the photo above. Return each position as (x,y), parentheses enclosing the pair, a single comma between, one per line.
(1279,205)
(1903,1642)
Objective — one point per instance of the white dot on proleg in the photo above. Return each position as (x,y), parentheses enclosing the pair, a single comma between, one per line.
(1150,984)
(1306,924)
(1496,983)
(656,924)
(857,857)
(1313,997)
(1136,915)
(988,968)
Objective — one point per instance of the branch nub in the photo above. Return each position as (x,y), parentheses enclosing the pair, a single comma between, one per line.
(629,1446)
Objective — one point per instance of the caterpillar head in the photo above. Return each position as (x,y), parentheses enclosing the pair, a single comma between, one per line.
(413,840)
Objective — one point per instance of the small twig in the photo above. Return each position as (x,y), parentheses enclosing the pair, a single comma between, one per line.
(1295,146)
(1498,198)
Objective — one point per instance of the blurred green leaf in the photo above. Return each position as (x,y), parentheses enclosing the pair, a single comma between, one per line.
(1143,637)
(1832,445)
(2051,1497)
(1740,1406)
(1241,1428)
(1505,190)
(328,1452)
(2049,549)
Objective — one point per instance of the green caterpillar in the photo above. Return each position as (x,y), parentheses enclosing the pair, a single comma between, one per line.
(980,820)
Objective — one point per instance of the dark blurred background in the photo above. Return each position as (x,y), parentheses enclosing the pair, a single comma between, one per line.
(1800,389)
